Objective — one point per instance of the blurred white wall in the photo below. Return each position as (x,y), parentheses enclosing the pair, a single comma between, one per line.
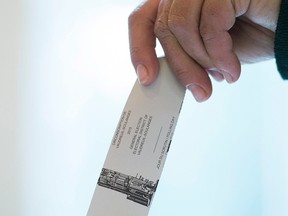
(65,75)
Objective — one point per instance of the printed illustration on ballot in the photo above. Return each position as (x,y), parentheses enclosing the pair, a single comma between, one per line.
(137,189)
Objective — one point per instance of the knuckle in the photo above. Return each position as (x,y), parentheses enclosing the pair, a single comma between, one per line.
(177,22)
(204,32)
(207,33)
(135,51)
(182,74)
(133,17)
(161,29)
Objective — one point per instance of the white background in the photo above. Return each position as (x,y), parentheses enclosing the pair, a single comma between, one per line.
(65,74)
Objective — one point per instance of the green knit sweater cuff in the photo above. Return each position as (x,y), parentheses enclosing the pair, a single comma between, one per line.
(281,40)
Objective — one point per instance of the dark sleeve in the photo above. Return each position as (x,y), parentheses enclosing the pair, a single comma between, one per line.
(281,40)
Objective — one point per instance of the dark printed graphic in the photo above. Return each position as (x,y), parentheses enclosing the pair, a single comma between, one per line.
(137,189)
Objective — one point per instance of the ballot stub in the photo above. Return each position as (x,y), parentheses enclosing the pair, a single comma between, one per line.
(129,178)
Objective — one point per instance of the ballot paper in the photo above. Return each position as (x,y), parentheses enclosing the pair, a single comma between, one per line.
(130,176)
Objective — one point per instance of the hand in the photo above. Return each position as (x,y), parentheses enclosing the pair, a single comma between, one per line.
(201,37)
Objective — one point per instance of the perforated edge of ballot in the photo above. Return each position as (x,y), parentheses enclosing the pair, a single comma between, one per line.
(130,175)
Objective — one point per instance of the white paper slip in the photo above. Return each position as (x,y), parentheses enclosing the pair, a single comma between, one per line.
(132,169)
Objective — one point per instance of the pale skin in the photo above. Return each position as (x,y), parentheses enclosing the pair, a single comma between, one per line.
(202,38)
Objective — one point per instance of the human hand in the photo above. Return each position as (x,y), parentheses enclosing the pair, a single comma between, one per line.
(202,37)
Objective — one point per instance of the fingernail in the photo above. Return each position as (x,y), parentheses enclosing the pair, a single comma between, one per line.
(198,92)
(218,76)
(228,77)
(142,74)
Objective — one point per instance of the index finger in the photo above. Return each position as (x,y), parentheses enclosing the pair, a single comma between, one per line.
(143,41)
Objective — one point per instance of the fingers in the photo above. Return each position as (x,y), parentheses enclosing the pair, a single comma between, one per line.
(190,73)
(142,41)
(201,28)
(183,21)
(216,20)
(194,36)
